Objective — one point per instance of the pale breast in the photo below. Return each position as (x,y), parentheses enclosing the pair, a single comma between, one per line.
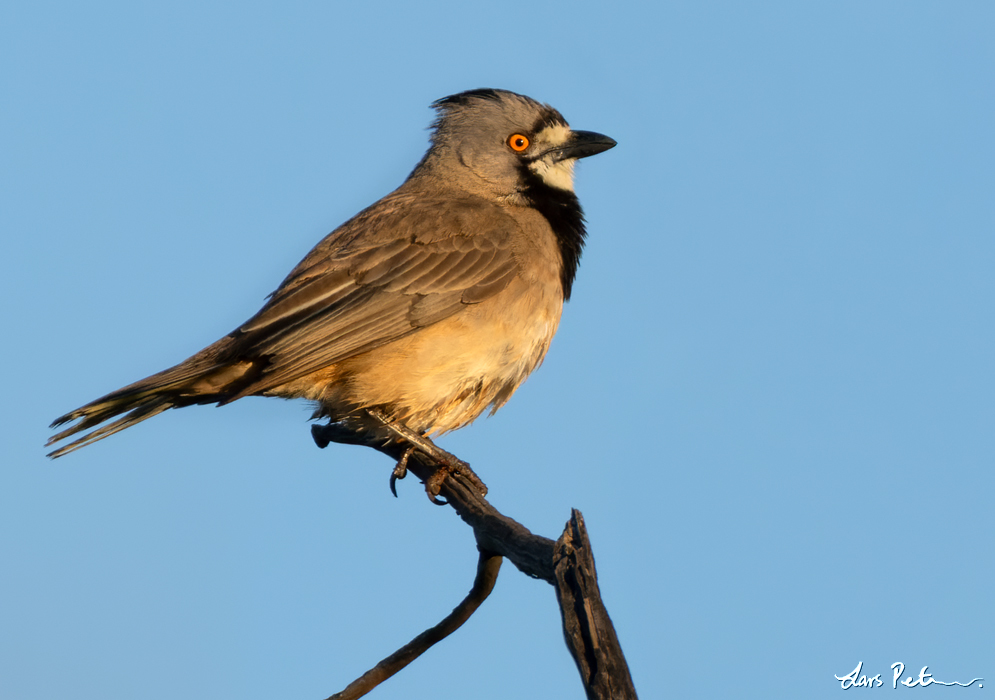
(444,376)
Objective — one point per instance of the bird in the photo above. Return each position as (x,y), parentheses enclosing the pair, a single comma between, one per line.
(419,313)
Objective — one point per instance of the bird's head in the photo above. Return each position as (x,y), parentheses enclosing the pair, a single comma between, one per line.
(506,143)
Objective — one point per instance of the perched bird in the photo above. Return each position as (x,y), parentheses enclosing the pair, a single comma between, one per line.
(424,309)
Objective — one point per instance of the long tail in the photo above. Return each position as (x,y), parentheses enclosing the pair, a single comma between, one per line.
(192,382)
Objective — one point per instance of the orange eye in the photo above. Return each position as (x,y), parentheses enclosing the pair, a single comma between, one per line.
(518,142)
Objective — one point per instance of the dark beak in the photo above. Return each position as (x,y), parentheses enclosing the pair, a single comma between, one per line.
(583,144)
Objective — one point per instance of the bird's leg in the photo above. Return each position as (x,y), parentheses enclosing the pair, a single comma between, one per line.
(373,428)
(448,462)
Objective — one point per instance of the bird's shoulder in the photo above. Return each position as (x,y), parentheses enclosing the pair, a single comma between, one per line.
(443,250)
(406,225)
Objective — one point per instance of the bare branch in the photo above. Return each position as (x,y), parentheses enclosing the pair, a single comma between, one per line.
(488,566)
(587,628)
(567,564)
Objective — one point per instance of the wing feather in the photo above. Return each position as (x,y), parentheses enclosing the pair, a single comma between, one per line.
(411,265)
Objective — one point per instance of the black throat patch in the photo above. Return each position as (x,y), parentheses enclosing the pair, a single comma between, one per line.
(562,210)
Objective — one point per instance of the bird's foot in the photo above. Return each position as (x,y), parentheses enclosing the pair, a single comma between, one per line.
(449,464)
(378,431)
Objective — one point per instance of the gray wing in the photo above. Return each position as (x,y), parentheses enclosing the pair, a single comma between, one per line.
(401,265)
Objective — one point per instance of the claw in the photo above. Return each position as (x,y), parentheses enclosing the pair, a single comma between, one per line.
(400,470)
(434,486)
(390,437)
(448,463)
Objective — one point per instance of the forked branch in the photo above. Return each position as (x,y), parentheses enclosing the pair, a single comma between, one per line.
(567,564)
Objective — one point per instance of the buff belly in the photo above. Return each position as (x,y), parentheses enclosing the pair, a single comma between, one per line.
(444,376)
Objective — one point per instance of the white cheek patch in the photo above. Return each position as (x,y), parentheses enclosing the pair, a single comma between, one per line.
(559,175)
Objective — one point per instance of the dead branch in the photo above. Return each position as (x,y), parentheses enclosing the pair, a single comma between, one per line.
(567,564)
(587,628)
(488,566)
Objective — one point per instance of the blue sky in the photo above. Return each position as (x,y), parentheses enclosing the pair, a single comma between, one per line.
(771,395)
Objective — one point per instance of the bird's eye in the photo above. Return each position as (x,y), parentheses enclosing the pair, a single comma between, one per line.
(518,142)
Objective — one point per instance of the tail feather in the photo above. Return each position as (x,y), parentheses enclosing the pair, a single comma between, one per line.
(148,407)
(195,381)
